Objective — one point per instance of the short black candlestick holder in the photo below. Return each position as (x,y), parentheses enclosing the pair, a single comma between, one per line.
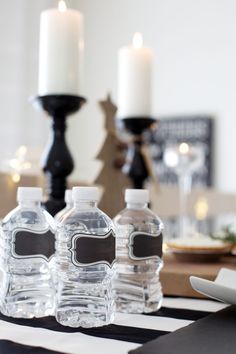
(135,166)
(57,162)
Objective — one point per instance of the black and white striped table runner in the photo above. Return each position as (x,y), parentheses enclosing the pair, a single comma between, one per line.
(46,336)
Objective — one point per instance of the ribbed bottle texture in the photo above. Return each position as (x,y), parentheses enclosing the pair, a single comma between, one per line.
(84,255)
(27,262)
(138,250)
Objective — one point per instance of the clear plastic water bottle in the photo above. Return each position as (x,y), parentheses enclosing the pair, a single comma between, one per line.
(139,255)
(27,248)
(85,255)
(69,205)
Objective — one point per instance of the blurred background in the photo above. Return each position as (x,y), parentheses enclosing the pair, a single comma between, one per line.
(193,76)
(194,72)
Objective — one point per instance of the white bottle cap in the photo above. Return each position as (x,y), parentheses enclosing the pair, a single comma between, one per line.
(85,193)
(29,193)
(137,196)
(68,196)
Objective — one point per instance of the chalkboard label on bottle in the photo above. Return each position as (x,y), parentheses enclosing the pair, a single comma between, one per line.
(33,244)
(87,249)
(143,245)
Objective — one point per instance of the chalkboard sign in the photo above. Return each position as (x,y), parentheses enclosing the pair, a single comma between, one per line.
(143,245)
(92,249)
(195,130)
(31,244)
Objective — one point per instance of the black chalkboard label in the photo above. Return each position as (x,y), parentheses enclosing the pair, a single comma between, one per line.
(31,244)
(89,249)
(143,245)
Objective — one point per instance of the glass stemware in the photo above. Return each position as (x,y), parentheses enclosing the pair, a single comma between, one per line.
(183,159)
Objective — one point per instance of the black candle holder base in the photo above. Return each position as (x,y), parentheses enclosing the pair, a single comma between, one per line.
(57,162)
(135,166)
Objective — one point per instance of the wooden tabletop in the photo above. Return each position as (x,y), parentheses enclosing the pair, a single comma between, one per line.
(175,274)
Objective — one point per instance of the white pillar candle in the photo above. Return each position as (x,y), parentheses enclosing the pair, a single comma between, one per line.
(134,80)
(60,51)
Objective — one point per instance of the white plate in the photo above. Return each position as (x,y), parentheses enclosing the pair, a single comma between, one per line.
(222,289)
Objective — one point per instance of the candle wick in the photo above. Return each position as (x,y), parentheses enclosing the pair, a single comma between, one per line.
(62,6)
(137,40)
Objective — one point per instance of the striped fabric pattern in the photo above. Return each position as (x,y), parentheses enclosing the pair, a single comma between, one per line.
(129,331)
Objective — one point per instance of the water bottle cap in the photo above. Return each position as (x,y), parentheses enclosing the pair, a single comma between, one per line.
(68,196)
(85,193)
(137,196)
(29,193)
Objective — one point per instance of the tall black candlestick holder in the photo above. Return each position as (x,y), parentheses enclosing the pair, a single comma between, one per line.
(57,162)
(135,166)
